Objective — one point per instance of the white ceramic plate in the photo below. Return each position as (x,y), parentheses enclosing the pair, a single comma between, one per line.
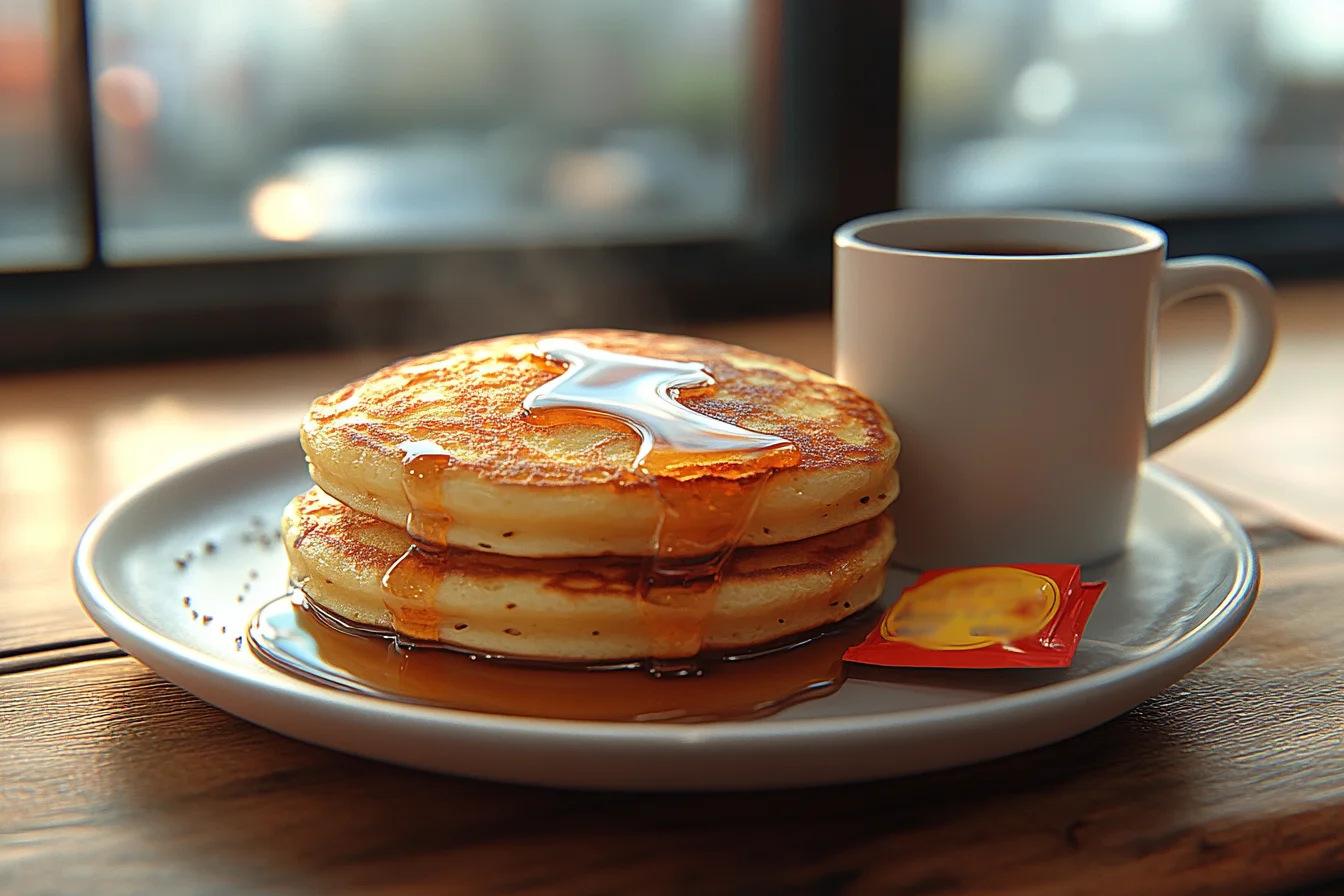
(1181,592)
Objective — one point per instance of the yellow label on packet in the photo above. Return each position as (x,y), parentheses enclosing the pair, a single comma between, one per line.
(1018,615)
(967,609)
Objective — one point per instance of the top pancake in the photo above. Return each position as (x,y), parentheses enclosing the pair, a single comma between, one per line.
(515,487)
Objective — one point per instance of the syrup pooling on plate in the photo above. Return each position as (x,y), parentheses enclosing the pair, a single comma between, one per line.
(709,475)
(297,637)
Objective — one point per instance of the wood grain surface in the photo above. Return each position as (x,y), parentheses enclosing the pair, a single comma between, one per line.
(69,442)
(1231,781)
(113,781)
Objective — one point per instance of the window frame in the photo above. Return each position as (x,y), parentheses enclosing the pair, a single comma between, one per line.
(825,147)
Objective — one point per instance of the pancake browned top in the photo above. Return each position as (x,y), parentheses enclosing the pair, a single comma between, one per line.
(508,475)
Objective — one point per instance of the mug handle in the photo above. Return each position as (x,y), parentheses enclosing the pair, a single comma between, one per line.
(1252,302)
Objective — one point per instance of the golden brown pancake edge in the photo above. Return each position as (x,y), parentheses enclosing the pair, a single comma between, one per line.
(552,608)
(529,490)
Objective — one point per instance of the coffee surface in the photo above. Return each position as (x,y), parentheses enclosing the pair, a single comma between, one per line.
(1003,248)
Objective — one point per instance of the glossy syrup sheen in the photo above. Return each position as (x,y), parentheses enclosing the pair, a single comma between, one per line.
(641,393)
(291,634)
(410,583)
(709,475)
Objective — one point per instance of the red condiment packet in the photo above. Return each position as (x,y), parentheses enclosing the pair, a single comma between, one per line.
(984,617)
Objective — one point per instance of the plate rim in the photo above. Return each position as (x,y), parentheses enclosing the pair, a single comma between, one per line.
(1199,643)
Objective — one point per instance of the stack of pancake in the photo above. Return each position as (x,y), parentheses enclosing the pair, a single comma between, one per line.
(536,537)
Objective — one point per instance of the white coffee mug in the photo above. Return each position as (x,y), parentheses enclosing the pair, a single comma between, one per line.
(1012,351)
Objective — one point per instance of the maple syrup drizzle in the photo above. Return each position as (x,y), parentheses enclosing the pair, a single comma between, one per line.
(641,393)
(300,638)
(409,585)
(709,475)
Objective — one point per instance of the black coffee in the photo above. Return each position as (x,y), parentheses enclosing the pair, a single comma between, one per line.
(1005,248)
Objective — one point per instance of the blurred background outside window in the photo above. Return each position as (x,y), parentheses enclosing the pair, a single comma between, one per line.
(1151,107)
(41,215)
(260,127)
(252,126)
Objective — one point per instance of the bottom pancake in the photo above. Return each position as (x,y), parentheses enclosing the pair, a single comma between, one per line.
(573,609)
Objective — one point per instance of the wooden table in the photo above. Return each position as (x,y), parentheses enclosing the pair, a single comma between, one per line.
(112,780)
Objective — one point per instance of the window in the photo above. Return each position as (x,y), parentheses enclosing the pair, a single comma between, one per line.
(262,127)
(42,222)
(1151,107)
(188,176)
